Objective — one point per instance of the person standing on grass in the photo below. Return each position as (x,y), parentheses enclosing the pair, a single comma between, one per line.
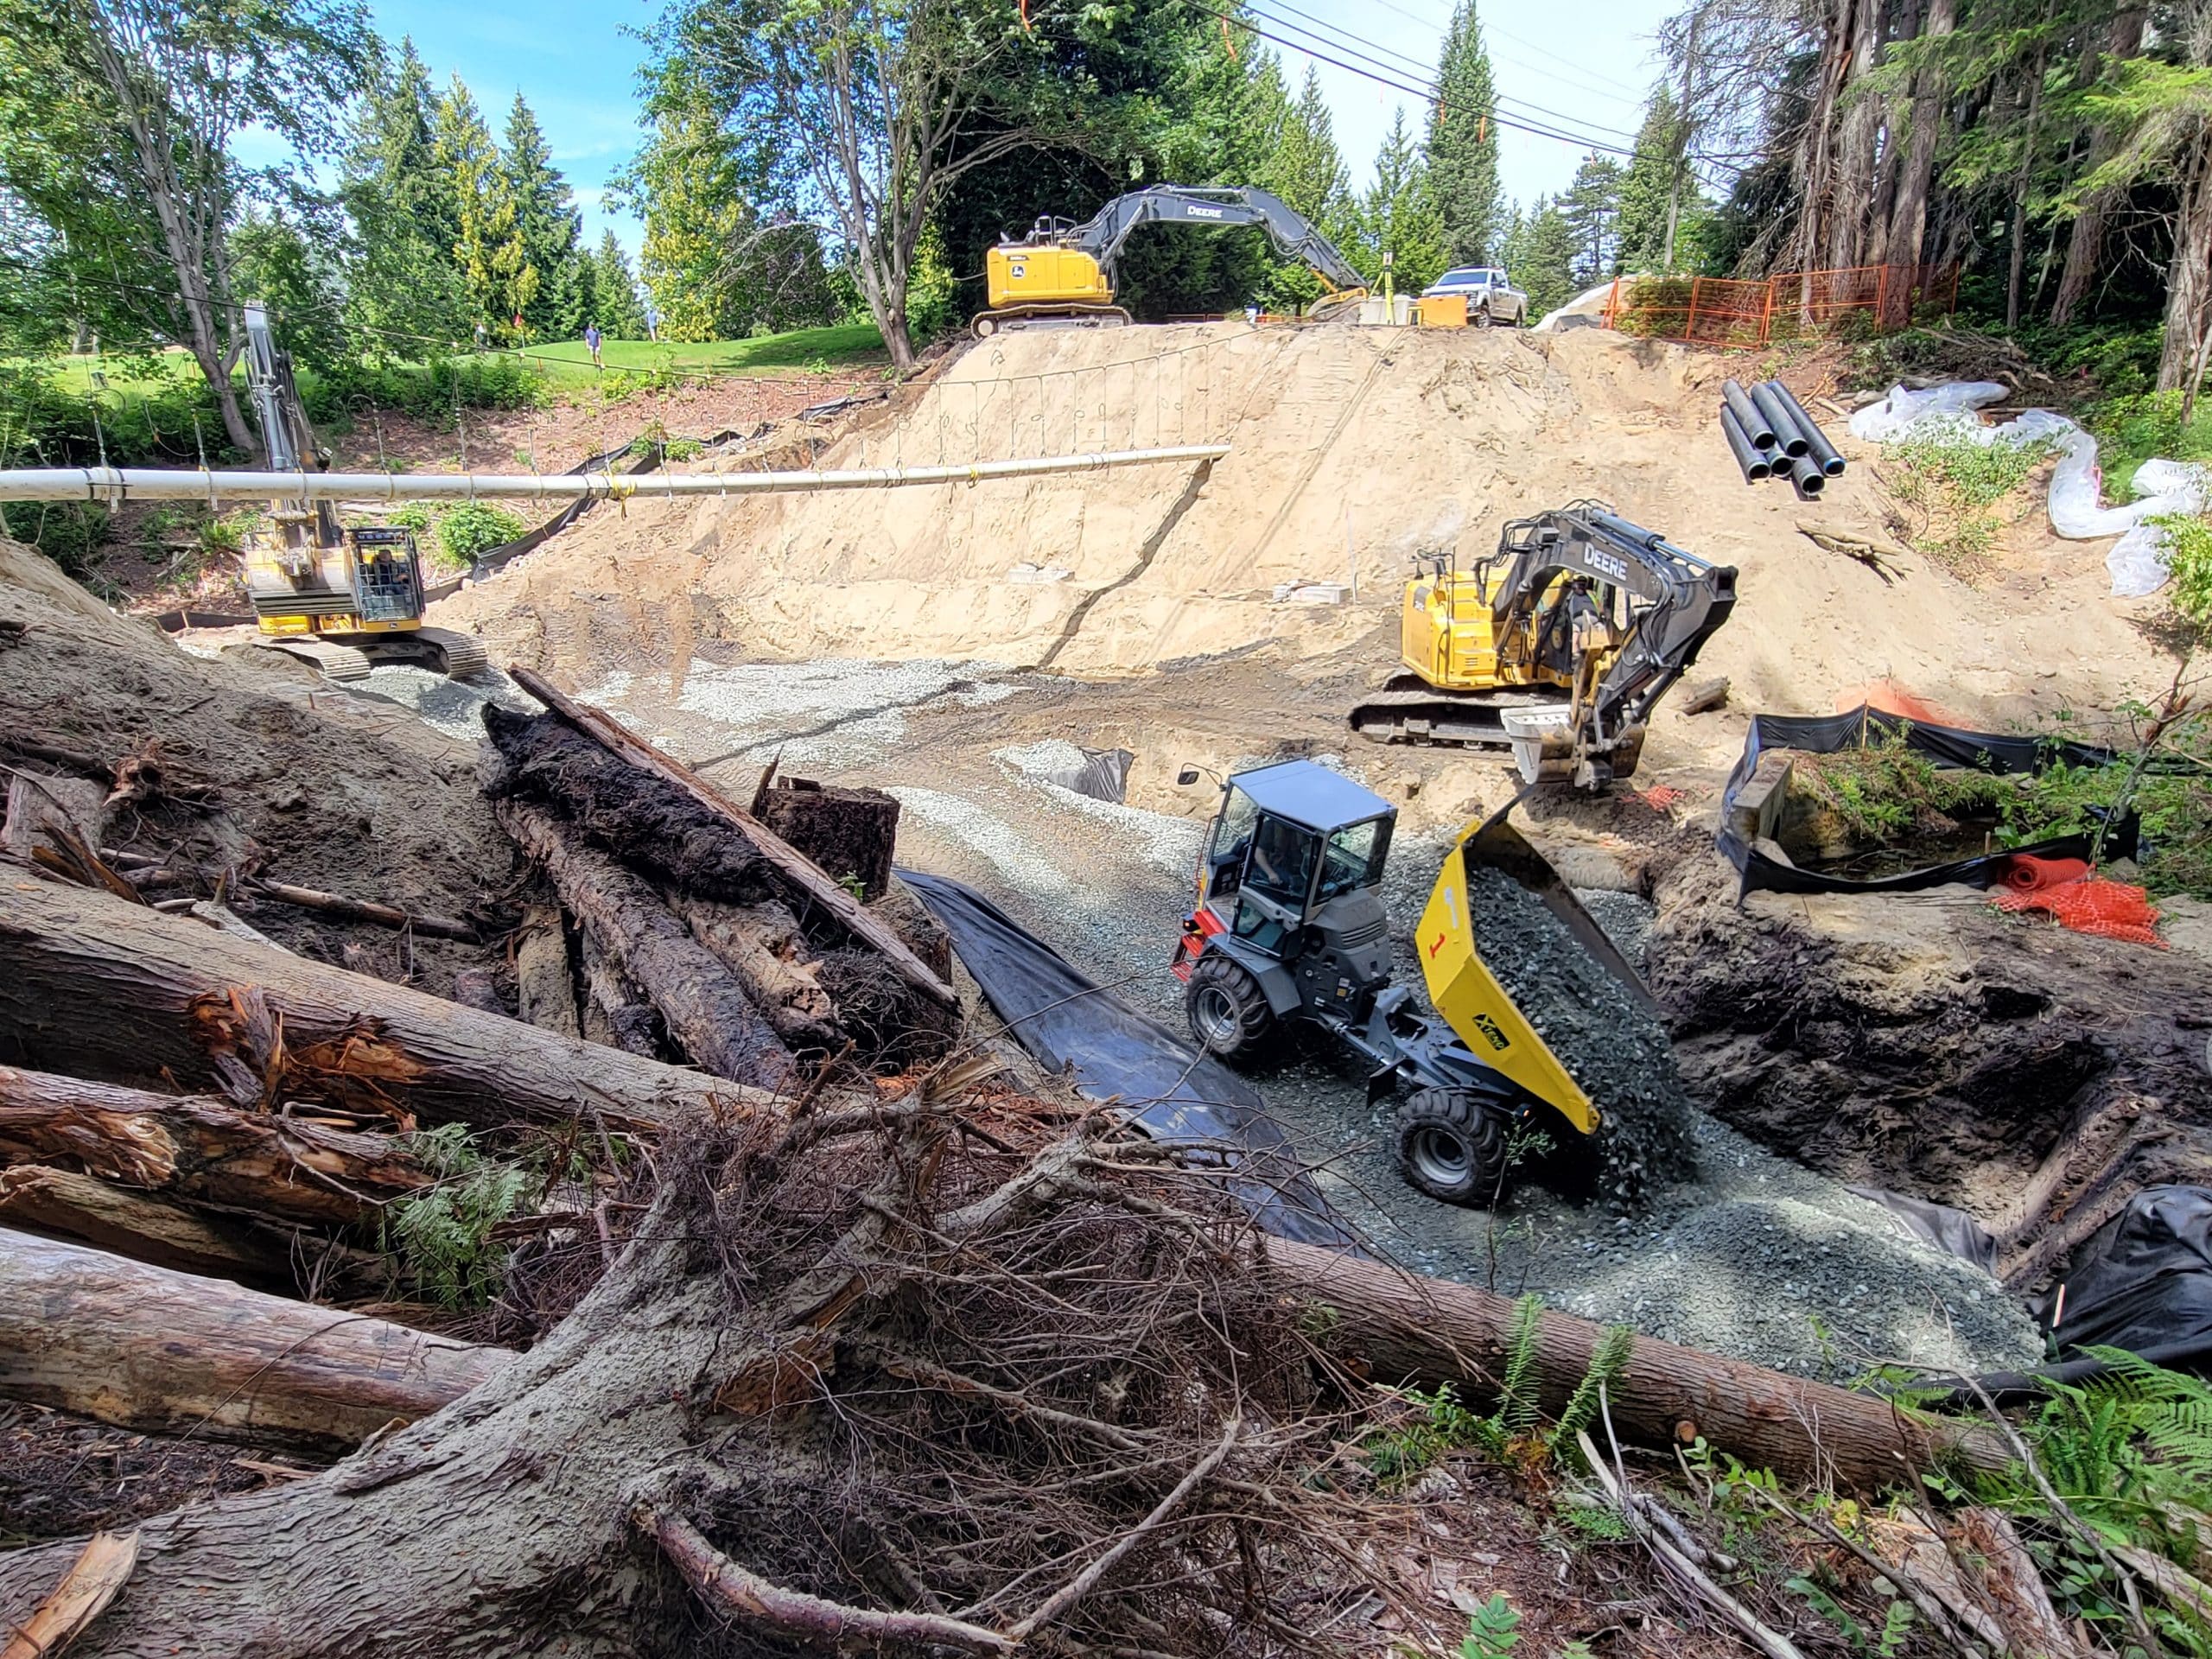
(591,344)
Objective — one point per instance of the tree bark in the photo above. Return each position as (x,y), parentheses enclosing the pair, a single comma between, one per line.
(1908,217)
(203,1152)
(1858,128)
(1398,1326)
(545,985)
(143,1228)
(170,1353)
(91,986)
(763,948)
(2189,275)
(2085,243)
(707,1011)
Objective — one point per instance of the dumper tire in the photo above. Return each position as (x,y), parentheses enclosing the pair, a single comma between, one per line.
(1452,1146)
(1227,1011)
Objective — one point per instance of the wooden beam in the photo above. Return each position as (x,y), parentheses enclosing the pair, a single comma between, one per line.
(808,877)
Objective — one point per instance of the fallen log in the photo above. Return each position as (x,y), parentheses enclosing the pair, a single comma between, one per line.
(1397,1327)
(142,1227)
(615,1011)
(707,1013)
(762,946)
(97,988)
(637,817)
(170,1353)
(807,876)
(363,910)
(200,1151)
(546,989)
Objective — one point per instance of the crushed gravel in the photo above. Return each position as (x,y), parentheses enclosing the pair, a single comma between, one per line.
(1609,1042)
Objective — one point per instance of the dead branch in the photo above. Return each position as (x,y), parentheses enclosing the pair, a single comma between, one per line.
(363,910)
(793,1613)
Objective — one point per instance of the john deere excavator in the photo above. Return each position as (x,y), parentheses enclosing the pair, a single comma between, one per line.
(1576,601)
(344,600)
(1290,930)
(1064,271)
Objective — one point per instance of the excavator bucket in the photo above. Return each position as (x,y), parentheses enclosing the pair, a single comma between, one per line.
(1466,987)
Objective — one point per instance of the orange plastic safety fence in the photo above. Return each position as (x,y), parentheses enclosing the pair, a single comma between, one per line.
(2112,910)
(1791,305)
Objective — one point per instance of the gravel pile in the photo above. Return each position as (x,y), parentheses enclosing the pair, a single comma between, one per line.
(1164,843)
(1608,1041)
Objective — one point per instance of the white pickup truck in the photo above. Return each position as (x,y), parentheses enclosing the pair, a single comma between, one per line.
(1490,296)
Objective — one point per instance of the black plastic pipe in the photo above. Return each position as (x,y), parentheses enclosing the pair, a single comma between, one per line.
(1747,455)
(1787,437)
(1817,444)
(1739,403)
(1808,478)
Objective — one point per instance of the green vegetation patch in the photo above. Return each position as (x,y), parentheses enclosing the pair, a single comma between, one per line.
(1948,492)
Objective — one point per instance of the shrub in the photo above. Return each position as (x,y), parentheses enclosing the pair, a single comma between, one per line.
(2188,557)
(470,528)
(68,532)
(444,1234)
(1948,486)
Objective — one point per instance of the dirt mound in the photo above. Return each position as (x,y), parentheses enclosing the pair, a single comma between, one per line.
(1349,449)
(321,789)
(1924,1043)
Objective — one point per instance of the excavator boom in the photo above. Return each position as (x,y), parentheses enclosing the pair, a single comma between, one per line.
(1065,271)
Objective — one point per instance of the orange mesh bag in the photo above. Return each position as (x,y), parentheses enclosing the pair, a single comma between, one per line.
(2112,910)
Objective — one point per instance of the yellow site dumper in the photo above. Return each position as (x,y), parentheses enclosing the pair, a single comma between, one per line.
(1289,929)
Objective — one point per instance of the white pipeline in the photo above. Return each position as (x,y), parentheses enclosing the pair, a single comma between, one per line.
(114,485)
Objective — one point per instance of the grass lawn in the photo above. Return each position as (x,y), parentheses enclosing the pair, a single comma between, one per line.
(851,344)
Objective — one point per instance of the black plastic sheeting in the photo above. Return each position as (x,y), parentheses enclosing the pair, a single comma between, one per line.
(1103,775)
(2143,1281)
(1180,1097)
(1946,745)
(1951,1231)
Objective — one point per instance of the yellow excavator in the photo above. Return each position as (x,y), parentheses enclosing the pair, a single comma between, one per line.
(1063,272)
(1578,601)
(343,599)
(1290,930)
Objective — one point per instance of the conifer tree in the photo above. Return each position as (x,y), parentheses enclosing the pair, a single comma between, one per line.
(550,229)
(1463,143)
(404,288)
(500,282)
(1398,216)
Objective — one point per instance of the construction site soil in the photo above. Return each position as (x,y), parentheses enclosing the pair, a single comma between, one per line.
(956,645)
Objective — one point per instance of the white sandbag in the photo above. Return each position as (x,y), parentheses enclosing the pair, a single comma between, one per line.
(2137,563)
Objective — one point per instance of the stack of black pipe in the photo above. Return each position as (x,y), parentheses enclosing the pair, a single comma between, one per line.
(1774,437)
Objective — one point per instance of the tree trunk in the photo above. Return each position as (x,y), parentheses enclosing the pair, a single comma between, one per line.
(1858,127)
(2189,275)
(92,986)
(1908,217)
(143,1228)
(761,946)
(202,1152)
(545,984)
(169,1353)
(615,1011)
(707,1013)
(1397,1327)
(2016,254)
(2085,244)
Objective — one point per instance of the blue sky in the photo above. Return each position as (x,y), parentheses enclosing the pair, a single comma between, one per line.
(1589,66)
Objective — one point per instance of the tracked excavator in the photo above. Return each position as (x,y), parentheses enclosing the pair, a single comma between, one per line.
(343,599)
(1063,272)
(1289,930)
(1576,601)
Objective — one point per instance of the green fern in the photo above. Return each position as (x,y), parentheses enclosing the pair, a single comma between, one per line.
(443,1235)
(1607,1361)
(1517,1403)
(1493,1631)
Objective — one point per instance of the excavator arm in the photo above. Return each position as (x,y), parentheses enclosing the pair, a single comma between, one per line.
(1102,236)
(1675,602)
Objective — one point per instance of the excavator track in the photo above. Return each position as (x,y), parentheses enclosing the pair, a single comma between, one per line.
(1409,710)
(461,656)
(1050,313)
(340,665)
